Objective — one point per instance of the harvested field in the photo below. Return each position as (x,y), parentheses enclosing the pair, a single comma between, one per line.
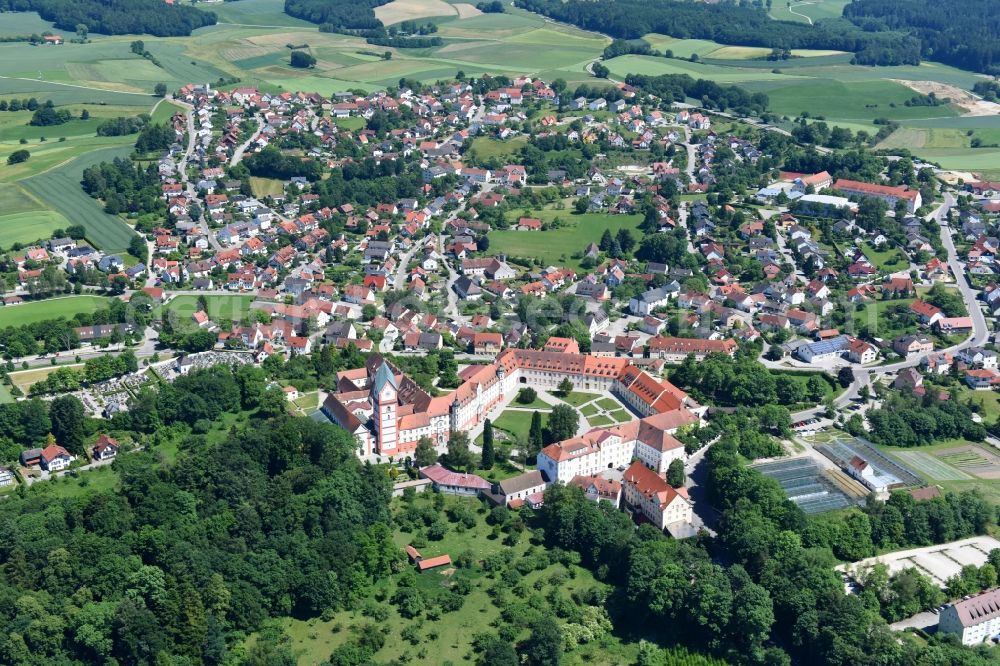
(465,10)
(410,10)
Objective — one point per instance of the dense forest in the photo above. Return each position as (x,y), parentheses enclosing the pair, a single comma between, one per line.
(961,33)
(125,187)
(729,24)
(337,16)
(778,599)
(677,87)
(117,17)
(279,519)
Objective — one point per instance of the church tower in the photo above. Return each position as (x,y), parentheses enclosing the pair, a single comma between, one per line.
(385,399)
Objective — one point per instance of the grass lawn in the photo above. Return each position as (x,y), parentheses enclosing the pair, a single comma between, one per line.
(308,403)
(876,317)
(986,403)
(500,471)
(27,228)
(219,307)
(891,259)
(589,410)
(621,416)
(517,423)
(449,638)
(25,378)
(537,403)
(558,246)
(95,480)
(5,395)
(608,403)
(484,148)
(600,420)
(267,187)
(577,398)
(65,306)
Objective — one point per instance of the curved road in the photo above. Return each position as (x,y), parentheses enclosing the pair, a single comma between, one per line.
(980,331)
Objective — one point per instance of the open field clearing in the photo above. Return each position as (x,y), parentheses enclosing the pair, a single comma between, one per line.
(264,187)
(65,306)
(60,189)
(27,228)
(24,379)
(398,11)
(219,307)
(809,11)
(24,23)
(558,246)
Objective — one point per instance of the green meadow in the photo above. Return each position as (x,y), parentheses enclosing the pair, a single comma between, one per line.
(52,308)
(557,246)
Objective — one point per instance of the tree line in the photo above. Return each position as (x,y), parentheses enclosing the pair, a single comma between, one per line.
(906,419)
(678,87)
(729,23)
(125,187)
(961,33)
(223,547)
(117,17)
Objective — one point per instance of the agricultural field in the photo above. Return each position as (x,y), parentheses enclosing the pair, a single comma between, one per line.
(398,11)
(59,188)
(557,246)
(52,308)
(256,12)
(23,218)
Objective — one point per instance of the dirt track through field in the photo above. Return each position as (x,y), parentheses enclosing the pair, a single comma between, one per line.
(969,103)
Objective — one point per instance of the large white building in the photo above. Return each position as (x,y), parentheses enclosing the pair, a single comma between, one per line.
(388,412)
(973,620)
(649,440)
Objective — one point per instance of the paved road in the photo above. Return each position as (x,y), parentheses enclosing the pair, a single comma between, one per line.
(238,153)
(190,191)
(980,331)
(400,279)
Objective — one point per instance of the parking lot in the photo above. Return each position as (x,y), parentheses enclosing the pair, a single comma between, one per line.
(938,562)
